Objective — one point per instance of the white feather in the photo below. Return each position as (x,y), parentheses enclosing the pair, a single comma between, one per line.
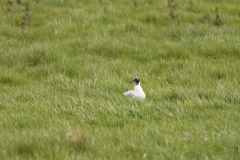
(136,93)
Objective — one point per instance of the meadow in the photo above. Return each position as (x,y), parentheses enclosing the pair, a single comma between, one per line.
(65,64)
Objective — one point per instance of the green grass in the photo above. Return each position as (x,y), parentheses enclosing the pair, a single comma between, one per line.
(63,72)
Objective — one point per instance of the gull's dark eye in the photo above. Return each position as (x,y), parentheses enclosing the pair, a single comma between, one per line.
(136,80)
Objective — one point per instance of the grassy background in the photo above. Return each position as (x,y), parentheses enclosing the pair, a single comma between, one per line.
(64,66)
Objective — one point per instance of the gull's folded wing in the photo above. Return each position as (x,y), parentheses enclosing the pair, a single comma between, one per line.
(128,93)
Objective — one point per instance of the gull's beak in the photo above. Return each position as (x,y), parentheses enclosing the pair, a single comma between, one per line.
(132,81)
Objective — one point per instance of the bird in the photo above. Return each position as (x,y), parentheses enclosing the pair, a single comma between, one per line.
(137,92)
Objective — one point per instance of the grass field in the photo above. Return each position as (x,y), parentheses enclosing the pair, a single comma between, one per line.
(64,65)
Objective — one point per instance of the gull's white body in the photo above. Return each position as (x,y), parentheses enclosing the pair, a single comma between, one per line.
(136,93)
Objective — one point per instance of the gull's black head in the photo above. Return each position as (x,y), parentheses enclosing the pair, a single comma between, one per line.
(136,81)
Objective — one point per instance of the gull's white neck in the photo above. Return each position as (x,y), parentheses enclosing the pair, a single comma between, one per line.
(137,86)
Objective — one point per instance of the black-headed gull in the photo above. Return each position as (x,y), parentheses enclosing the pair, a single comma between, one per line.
(137,92)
